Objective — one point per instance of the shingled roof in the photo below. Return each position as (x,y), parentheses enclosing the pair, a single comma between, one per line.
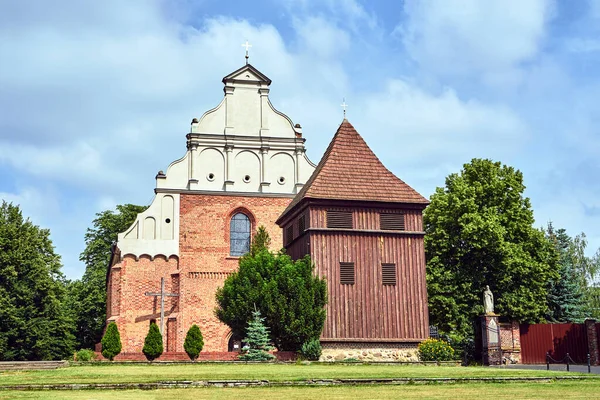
(349,170)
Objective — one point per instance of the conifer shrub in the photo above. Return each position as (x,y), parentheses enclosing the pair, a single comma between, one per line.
(111,342)
(311,350)
(435,350)
(257,340)
(194,342)
(153,344)
(85,355)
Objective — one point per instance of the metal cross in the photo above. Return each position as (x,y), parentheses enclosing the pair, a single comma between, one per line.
(247,46)
(162,296)
(344,105)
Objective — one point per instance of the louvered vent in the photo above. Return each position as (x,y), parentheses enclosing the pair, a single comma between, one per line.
(391,222)
(301,224)
(339,219)
(289,233)
(388,274)
(347,273)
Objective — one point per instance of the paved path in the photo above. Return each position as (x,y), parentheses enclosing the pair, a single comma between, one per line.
(595,369)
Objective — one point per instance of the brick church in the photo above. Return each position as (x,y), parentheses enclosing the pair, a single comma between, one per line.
(246,166)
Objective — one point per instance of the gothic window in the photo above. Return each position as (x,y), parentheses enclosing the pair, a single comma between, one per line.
(239,234)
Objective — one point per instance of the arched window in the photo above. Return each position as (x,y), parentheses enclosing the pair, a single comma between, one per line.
(239,234)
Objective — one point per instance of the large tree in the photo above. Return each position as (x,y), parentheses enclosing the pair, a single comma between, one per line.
(34,324)
(566,294)
(479,231)
(288,295)
(88,295)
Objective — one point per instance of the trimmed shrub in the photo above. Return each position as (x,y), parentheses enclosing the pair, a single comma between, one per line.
(111,341)
(194,342)
(85,355)
(435,350)
(311,350)
(153,344)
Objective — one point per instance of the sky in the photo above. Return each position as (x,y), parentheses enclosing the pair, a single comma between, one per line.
(97,96)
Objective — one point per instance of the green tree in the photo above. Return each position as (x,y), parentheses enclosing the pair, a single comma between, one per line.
(111,341)
(194,342)
(479,231)
(153,344)
(566,293)
(34,324)
(88,296)
(257,340)
(286,292)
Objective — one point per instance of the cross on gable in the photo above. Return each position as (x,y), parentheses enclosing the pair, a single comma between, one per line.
(344,105)
(162,294)
(247,46)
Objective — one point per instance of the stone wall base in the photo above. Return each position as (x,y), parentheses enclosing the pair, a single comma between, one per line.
(392,352)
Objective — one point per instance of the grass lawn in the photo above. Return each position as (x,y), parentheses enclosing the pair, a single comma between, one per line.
(564,390)
(142,373)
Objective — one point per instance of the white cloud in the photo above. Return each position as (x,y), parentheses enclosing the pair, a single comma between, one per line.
(467,37)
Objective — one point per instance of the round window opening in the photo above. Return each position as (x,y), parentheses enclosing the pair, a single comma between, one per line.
(211,177)
(281,180)
(247,178)
(168,220)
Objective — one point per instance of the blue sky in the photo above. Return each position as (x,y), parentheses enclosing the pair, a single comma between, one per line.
(97,96)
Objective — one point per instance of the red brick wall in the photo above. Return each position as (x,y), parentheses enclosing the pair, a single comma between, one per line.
(203,265)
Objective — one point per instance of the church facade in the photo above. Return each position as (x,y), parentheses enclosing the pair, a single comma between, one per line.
(246,166)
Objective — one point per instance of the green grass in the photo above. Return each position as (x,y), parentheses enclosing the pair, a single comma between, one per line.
(556,389)
(142,373)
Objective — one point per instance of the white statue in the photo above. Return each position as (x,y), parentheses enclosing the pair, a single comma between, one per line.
(488,300)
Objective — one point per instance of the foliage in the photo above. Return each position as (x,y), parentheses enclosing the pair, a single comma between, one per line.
(311,350)
(435,350)
(565,297)
(111,341)
(34,324)
(257,340)
(479,232)
(85,355)
(260,241)
(351,360)
(286,293)
(88,295)
(153,344)
(194,342)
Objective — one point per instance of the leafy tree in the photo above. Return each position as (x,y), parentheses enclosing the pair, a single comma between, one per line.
(286,292)
(194,342)
(479,232)
(111,341)
(34,324)
(88,295)
(257,340)
(566,293)
(153,344)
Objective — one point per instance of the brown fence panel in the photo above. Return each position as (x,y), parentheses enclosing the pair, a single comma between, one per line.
(556,339)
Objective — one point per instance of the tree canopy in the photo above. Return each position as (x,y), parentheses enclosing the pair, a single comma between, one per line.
(34,324)
(288,295)
(479,231)
(88,295)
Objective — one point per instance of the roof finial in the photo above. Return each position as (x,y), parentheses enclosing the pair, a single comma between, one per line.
(344,105)
(247,46)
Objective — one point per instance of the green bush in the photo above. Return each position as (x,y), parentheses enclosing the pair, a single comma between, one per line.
(111,341)
(153,344)
(311,350)
(435,350)
(85,355)
(194,342)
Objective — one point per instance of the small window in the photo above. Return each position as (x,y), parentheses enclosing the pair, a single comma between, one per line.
(239,234)
(289,233)
(391,222)
(339,219)
(301,223)
(347,273)
(388,274)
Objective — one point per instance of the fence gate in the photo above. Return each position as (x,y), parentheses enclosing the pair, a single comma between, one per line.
(556,339)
